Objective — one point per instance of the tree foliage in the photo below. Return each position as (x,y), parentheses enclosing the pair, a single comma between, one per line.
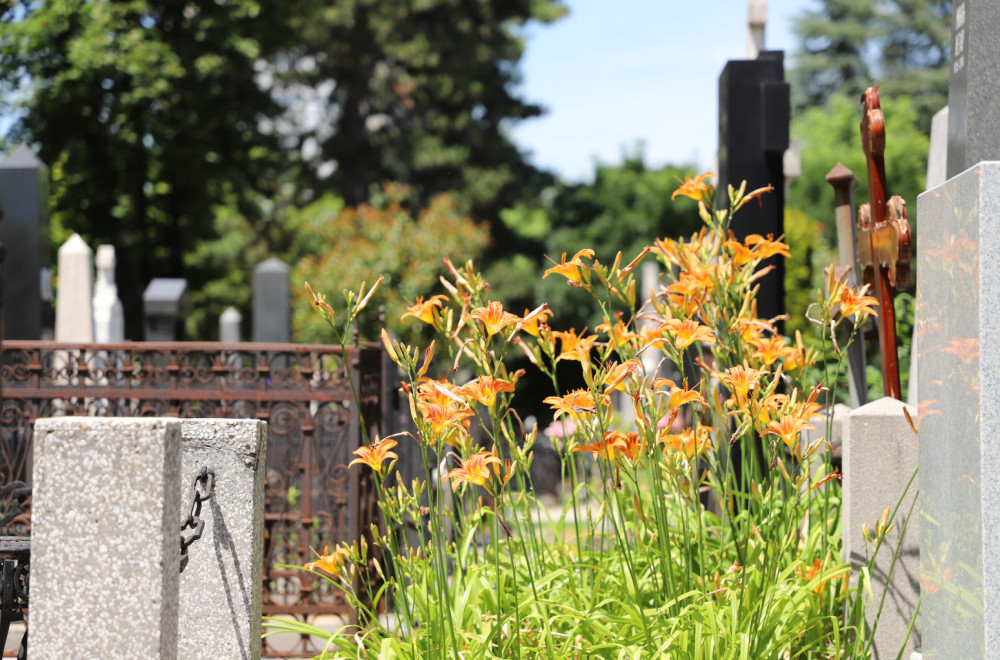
(148,111)
(168,123)
(394,239)
(849,45)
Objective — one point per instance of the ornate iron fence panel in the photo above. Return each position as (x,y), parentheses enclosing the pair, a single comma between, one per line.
(302,392)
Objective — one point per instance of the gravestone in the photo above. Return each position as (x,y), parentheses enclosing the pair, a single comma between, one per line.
(109,316)
(753,136)
(958,335)
(231,326)
(272,302)
(974,78)
(24,193)
(880,456)
(74,301)
(220,587)
(105,553)
(166,306)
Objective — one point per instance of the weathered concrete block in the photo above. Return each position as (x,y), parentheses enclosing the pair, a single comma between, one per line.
(220,588)
(105,537)
(880,456)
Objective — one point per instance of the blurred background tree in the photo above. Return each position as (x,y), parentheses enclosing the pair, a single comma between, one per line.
(155,115)
(849,45)
(148,113)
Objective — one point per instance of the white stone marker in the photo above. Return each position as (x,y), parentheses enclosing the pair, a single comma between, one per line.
(880,457)
(109,315)
(74,301)
(231,326)
(220,588)
(105,543)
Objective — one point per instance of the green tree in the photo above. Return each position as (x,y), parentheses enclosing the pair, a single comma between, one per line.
(846,46)
(420,92)
(390,238)
(148,112)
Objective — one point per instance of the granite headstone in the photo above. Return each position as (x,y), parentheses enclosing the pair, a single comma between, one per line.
(24,193)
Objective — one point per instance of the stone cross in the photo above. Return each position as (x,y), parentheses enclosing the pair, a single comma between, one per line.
(74,302)
(883,240)
(974,77)
(756,25)
(109,316)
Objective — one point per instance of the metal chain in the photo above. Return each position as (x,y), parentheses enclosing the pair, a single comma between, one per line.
(194,521)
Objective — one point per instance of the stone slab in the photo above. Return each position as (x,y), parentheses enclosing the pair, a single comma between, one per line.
(958,342)
(880,456)
(105,537)
(272,311)
(220,587)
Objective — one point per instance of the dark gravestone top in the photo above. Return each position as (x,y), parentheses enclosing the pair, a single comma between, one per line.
(753,136)
(974,83)
(272,316)
(166,306)
(24,184)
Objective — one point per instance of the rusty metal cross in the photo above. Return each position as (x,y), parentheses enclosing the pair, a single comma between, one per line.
(883,240)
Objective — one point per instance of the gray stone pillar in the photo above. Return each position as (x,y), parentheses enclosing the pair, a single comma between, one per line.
(272,306)
(220,588)
(879,459)
(105,537)
(958,339)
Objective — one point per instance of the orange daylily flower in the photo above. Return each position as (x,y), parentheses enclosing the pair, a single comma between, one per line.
(573,404)
(573,269)
(618,333)
(789,428)
(772,349)
(531,321)
(440,392)
(614,445)
(680,396)
(853,302)
(694,285)
(484,389)
(573,346)
(741,381)
(474,470)
(687,332)
(695,188)
(687,443)
(424,310)
(375,455)
(444,420)
(333,563)
(617,374)
(494,318)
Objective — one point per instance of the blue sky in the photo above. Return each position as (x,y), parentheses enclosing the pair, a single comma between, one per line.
(615,72)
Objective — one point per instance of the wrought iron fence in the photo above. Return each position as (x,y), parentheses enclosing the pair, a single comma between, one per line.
(302,392)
